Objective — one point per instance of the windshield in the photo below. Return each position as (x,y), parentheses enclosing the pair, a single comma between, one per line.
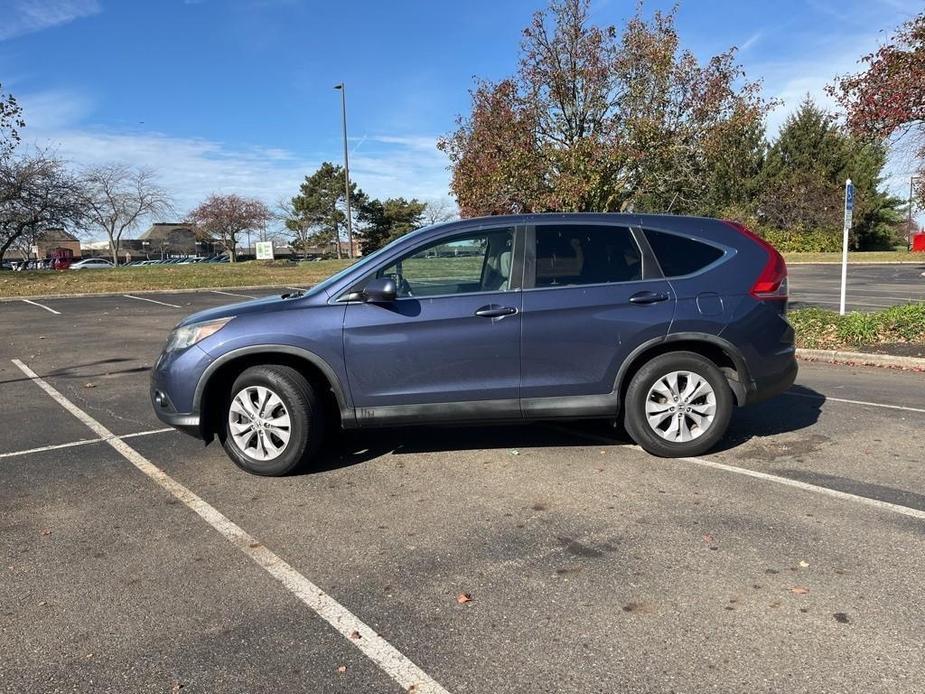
(359,264)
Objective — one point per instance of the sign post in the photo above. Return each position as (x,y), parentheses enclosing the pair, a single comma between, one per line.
(264,250)
(849,217)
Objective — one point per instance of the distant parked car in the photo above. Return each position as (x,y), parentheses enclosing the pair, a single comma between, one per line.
(92,264)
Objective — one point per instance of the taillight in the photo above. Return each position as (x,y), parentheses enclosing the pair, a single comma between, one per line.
(771,284)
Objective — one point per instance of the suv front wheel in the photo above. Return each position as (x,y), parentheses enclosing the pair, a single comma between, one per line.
(678,404)
(273,420)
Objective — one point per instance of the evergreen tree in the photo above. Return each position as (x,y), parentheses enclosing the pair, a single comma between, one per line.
(802,181)
(388,219)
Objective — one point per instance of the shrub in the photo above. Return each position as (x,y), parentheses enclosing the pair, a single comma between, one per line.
(801,240)
(817,328)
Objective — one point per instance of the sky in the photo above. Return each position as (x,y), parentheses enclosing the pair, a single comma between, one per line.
(237,95)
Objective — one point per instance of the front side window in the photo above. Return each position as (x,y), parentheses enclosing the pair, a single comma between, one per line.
(577,254)
(476,262)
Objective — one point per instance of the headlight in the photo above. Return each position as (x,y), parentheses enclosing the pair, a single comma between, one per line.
(189,335)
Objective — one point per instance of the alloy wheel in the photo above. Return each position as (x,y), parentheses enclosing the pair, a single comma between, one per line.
(259,423)
(680,406)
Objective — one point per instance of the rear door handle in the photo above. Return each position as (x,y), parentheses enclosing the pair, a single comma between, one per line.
(492,311)
(648,297)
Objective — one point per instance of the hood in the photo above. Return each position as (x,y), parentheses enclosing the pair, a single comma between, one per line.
(266,305)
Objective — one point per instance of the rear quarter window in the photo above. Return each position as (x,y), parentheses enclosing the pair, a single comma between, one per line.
(678,255)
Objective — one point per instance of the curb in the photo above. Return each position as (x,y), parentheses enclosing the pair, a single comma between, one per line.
(862,358)
(190,290)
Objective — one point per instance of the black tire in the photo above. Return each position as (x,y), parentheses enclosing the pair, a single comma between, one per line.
(634,405)
(305,413)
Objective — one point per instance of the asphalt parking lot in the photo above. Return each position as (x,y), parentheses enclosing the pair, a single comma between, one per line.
(790,559)
(869,287)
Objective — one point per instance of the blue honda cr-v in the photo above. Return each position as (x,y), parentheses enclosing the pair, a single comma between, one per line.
(669,321)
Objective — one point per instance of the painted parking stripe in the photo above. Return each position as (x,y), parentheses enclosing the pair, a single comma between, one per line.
(246,296)
(776,479)
(35,303)
(863,403)
(153,301)
(83,442)
(371,644)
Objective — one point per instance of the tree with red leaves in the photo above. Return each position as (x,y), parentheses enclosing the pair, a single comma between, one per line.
(886,101)
(227,216)
(601,120)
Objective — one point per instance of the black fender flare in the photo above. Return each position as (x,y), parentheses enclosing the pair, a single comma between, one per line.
(740,387)
(346,412)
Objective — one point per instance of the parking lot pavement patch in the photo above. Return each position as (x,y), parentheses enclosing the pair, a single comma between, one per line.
(373,645)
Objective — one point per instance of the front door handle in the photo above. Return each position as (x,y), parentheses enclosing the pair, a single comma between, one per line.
(648,297)
(492,311)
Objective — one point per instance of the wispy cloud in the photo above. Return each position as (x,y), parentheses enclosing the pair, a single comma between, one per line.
(191,168)
(19,17)
(751,41)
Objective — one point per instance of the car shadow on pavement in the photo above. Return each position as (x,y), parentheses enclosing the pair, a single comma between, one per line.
(798,409)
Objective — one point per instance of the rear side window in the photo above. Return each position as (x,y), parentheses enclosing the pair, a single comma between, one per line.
(585,254)
(678,255)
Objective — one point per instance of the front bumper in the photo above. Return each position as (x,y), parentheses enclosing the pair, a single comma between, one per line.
(188,423)
(174,380)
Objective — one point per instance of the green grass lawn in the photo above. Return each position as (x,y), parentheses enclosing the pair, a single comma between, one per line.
(130,279)
(856,257)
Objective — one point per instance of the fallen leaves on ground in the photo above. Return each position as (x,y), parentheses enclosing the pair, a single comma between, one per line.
(463,598)
(355,635)
(342,668)
(799,590)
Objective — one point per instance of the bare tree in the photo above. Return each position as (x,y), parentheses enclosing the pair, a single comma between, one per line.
(119,197)
(440,210)
(298,228)
(36,192)
(10,123)
(226,216)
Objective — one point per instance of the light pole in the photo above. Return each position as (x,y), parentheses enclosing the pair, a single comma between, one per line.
(343,109)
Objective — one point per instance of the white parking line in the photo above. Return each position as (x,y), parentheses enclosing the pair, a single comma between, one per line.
(153,301)
(83,442)
(371,644)
(805,486)
(246,296)
(856,402)
(50,310)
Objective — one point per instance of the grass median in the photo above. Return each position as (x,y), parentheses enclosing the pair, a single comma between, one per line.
(896,327)
(196,276)
(857,257)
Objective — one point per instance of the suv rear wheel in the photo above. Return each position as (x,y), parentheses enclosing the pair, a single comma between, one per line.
(678,404)
(273,420)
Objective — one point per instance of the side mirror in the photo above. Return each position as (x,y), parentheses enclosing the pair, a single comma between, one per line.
(380,290)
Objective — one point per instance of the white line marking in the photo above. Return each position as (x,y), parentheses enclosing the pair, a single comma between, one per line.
(372,645)
(805,486)
(50,310)
(82,442)
(246,296)
(153,301)
(856,402)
